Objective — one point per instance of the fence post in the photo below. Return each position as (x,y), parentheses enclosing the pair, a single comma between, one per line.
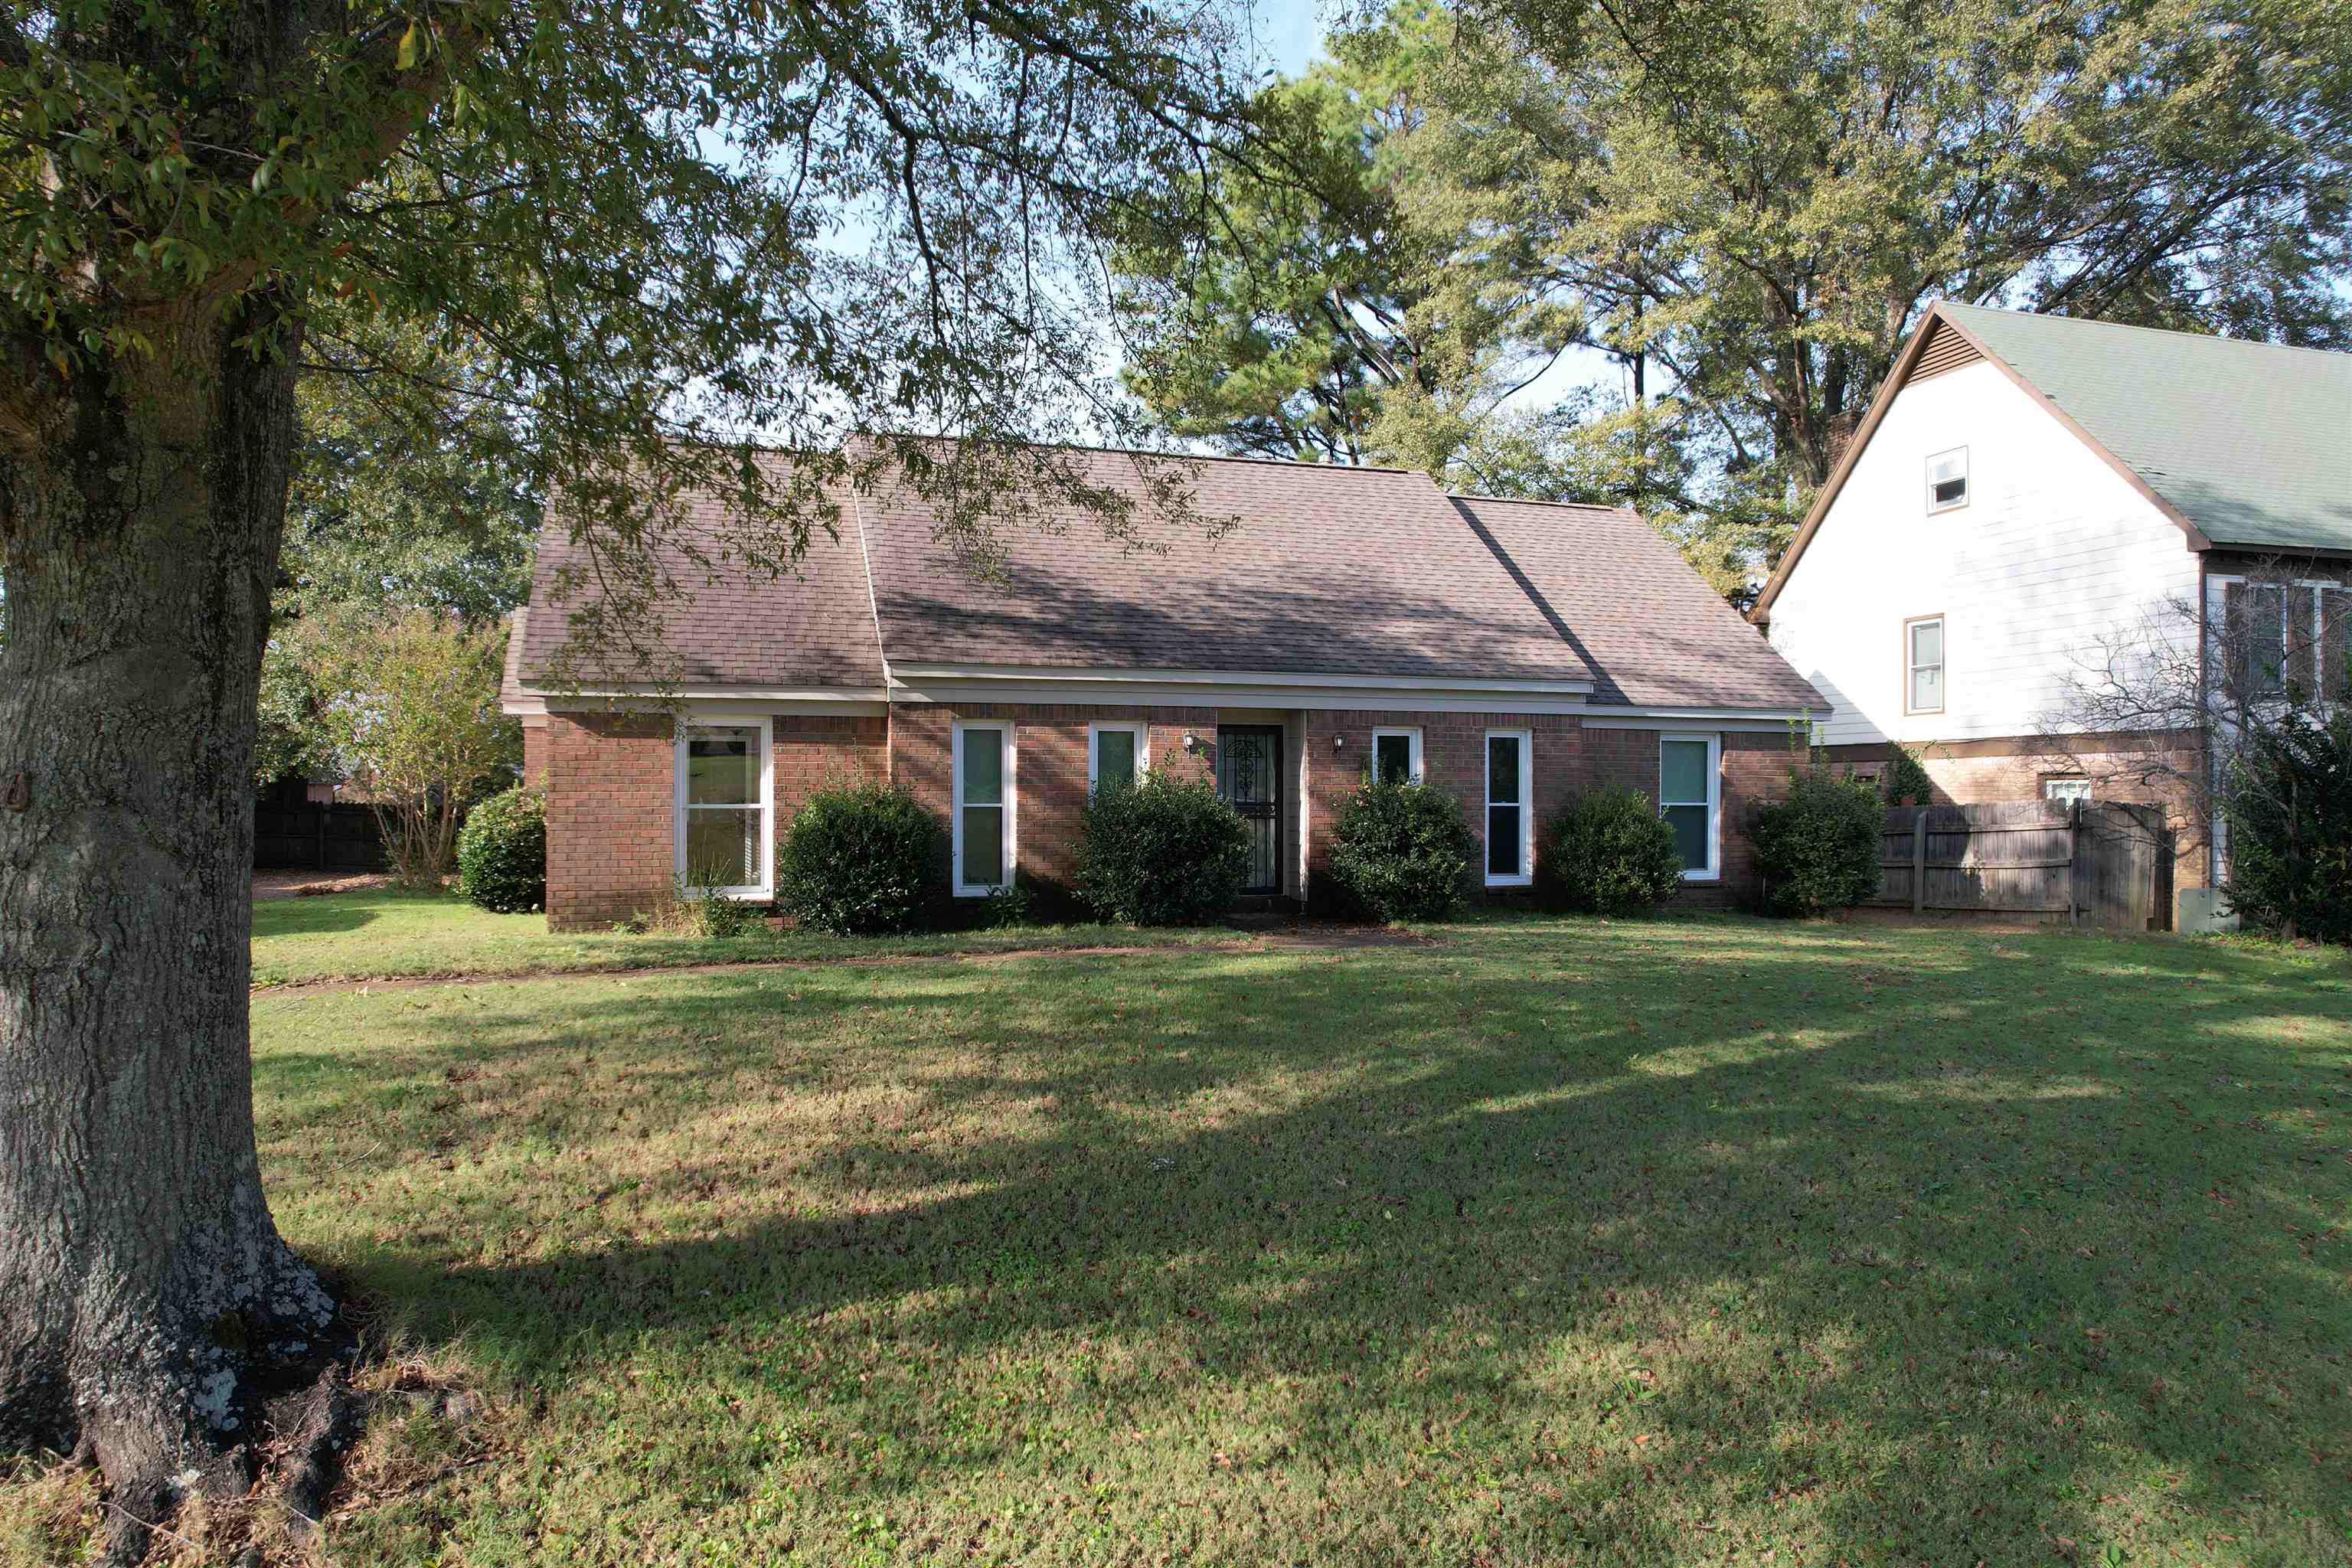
(321,812)
(2074,858)
(1919,862)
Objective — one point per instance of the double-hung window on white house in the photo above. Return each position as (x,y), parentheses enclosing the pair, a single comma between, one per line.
(1117,754)
(1396,756)
(1690,799)
(1510,808)
(1923,661)
(726,799)
(983,808)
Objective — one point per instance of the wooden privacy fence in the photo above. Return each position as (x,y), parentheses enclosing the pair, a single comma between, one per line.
(311,837)
(2103,864)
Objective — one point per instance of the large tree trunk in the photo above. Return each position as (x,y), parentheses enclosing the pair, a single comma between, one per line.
(145,1297)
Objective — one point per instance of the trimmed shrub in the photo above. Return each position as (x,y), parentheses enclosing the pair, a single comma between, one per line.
(502,853)
(1162,851)
(1401,852)
(859,859)
(1819,848)
(1613,854)
(1907,782)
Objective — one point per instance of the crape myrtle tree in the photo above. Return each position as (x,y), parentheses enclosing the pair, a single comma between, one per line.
(653,230)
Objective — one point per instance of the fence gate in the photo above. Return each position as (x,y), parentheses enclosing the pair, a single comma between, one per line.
(2104,865)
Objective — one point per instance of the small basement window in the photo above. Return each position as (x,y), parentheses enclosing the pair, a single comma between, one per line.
(2066,789)
(1947,480)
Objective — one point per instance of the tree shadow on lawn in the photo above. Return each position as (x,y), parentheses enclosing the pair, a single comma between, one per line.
(1912,1254)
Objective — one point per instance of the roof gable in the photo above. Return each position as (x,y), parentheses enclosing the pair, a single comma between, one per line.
(2240,443)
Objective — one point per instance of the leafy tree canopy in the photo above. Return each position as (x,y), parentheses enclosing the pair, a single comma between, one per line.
(1742,209)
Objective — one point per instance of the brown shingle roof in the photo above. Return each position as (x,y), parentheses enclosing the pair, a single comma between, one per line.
(1329,569)
(1656,635)
(812,626)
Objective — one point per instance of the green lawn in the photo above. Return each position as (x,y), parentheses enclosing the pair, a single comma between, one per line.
(392,935)
(1705,1241)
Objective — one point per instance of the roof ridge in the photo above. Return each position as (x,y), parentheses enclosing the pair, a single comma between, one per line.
(2138,327)
(1538,500)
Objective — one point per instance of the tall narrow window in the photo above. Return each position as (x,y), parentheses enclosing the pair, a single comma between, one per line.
(1396,756)
(2255,629)
(1948,480)
(1511,818)
(723,801)
(2336,644)
(1690,799)
(1923,644)
(983,808)
(1117,754)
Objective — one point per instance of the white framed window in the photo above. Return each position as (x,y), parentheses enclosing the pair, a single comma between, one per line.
(1396,755)
(1117,753)
(983,827)
(1510,808)
(2066,789)
(1947,480)
(726,779)
(1690,799)
(1923,664)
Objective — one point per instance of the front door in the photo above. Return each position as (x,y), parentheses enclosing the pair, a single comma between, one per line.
(1249,778)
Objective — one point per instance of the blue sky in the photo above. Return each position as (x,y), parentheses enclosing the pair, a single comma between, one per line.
(1289,33)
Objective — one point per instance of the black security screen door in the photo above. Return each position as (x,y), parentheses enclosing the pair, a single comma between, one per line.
(1249,776)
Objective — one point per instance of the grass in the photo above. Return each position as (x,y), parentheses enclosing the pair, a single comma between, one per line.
(389,935)
(1708,1241)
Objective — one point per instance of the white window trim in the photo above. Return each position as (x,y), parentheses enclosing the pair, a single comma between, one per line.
(1136,728)
(1713,870)
(1967,481)
(1527,875)
(1003,729)
(2064,789)
(1942,666)
(1414,754)
(695,719)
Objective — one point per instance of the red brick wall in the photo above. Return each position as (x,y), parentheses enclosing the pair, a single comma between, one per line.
(1049,768)
(611,841)
(1453,758)
(534,751)
(1754,768)
(612,846)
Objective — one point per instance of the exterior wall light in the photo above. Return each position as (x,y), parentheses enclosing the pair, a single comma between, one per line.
(1192,741)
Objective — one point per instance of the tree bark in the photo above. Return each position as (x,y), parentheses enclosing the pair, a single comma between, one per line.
(146,1299)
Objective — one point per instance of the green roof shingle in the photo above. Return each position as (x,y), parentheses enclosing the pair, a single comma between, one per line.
(2252,442)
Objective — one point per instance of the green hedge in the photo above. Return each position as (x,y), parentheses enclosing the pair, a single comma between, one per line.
(1818,849)
(1401,852)
(1162,851)
(859,859)
(1613,854)
(502,853)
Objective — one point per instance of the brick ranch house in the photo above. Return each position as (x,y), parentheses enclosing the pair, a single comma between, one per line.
(1514,653)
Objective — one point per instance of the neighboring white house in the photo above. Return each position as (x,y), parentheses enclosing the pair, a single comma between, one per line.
(2025,486)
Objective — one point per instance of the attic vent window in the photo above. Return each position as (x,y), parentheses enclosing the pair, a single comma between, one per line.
(1947,480)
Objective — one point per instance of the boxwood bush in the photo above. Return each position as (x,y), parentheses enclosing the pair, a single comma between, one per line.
(1818,849)
(1162,851)
(859,859)
(502,852)
(1612,854)
(1401,852)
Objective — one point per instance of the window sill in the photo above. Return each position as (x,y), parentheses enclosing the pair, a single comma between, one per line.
(964,892)
(1510,881)
(1702,876)
(741,895)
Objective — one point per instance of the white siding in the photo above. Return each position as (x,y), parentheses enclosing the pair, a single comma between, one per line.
(2054,549)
